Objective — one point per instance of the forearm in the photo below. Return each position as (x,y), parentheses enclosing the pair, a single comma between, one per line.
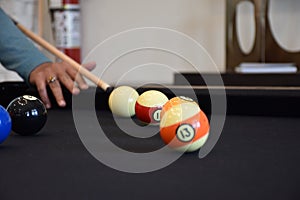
(17,52)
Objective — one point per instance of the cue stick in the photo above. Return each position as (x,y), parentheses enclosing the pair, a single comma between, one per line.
(41,18)
(46,45)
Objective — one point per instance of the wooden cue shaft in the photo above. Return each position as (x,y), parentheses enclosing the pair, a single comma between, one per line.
(83,71)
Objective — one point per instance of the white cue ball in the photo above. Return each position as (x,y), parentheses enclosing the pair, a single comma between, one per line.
(122,101)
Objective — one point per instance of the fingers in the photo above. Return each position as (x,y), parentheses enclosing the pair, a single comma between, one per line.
(68,82)
(57,91)
(44,75)
(89,66)
(55,87)
(41,88)
(80,81)
(77,77)
(55,75)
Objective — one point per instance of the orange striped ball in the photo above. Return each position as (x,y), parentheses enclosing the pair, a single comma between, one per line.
(183,126)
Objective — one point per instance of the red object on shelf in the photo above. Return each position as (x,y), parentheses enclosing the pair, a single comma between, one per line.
(66,20)
(70,1)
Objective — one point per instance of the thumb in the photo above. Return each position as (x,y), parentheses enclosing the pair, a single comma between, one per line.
(89,65)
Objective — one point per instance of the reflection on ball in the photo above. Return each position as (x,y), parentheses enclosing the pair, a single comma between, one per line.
(183,126)
(28,115)
(148,106)
(122,101)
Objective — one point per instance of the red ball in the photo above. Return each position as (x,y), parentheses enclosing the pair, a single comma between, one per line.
(148,106)
(183,126)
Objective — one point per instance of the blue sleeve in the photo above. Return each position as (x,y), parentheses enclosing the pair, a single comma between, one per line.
(17,52)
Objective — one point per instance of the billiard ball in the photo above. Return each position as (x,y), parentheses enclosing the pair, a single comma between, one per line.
(183,126)
(5,124)
(122,100)
(28,115)
(148,106)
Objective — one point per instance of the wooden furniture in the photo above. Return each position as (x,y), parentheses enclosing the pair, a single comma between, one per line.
(265,49)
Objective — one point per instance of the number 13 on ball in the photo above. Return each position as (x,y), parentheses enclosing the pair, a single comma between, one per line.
(183,126)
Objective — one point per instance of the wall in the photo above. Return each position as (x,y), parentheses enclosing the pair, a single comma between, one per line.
(202,20)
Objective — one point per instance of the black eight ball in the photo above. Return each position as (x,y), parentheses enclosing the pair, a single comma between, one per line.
(28,115)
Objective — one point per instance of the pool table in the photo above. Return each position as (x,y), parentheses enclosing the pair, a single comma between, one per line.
(257,155)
